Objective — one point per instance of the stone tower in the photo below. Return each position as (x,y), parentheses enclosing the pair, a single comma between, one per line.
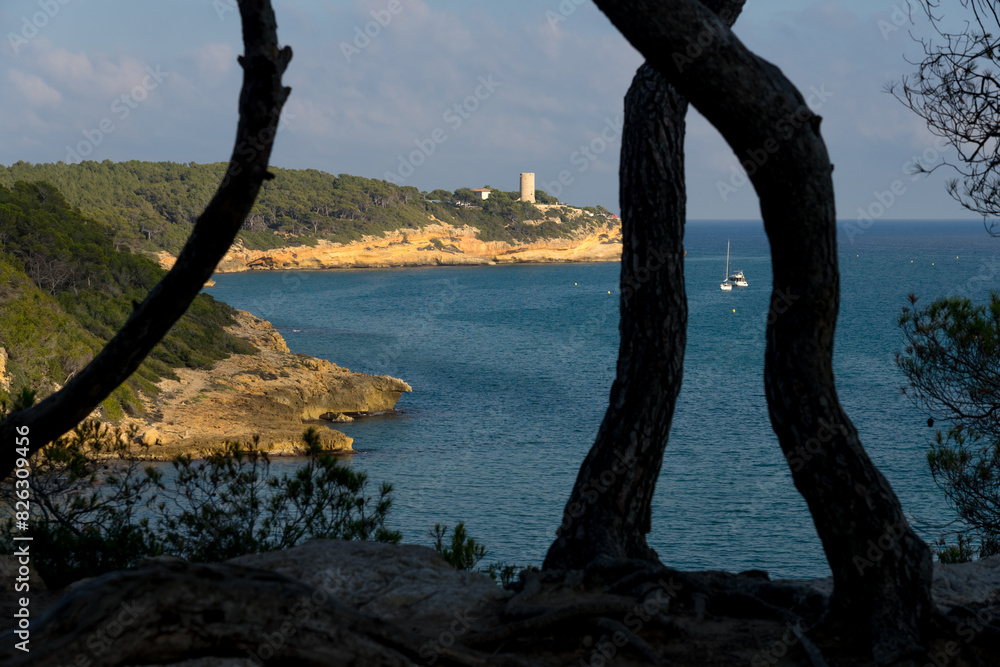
(528,187)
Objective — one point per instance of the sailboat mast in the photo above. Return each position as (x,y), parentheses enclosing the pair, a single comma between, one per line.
(727,259)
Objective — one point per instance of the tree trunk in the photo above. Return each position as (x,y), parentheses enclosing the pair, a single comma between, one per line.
(881,568)
(608,513)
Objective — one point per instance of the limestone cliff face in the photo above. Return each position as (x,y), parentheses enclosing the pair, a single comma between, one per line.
(272,395)
(4,380)
(437,244)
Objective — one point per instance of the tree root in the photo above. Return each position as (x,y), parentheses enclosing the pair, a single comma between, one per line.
(549,618)
(613,627)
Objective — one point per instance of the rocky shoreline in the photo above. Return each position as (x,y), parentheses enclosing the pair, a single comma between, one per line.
(436,244)
(273,395)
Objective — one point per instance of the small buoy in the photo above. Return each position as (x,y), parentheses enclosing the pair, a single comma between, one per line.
(574,283)
(734,310)
(932,263)
(609,291)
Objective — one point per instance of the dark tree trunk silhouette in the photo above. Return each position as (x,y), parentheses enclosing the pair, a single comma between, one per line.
(608,513)
(261,100)
(881,568)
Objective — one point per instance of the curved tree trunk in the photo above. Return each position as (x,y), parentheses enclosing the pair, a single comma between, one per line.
(881,568)
(260,104)
(609,510)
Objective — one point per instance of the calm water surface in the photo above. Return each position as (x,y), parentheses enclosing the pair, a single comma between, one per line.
(511,368)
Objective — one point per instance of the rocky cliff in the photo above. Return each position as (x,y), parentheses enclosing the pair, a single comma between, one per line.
(4,380)
(273,395)
(437,244)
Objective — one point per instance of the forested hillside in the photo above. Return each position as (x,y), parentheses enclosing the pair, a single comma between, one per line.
(152,205)
(65,290)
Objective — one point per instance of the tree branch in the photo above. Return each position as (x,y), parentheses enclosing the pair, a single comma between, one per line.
(261,100)
(955,91)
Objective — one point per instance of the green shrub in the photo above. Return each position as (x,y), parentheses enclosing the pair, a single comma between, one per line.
(112,410)
(464,553)
(87,494)
(260,240)
(66,289)
(950,360)
(505,573)
(96,508)
(960,553)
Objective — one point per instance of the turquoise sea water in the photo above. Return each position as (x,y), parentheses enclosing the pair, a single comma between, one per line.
(511,368)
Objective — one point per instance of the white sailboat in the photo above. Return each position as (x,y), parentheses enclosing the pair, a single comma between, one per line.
(725,285)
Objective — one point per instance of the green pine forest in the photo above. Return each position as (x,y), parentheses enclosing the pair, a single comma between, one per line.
(76,244)
(151,205)
(65,289)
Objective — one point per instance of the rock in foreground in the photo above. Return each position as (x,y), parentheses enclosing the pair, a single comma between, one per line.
(348,603)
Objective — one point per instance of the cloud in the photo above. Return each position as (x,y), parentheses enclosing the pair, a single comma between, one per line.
(34,90)
(88,75)
(214,61)
(837,48)
(62,64)
(367,87)
(374,91)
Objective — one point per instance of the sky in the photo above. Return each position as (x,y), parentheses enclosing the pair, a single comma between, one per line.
(449,94)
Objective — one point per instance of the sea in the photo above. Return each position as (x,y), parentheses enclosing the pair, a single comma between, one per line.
(511,368)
